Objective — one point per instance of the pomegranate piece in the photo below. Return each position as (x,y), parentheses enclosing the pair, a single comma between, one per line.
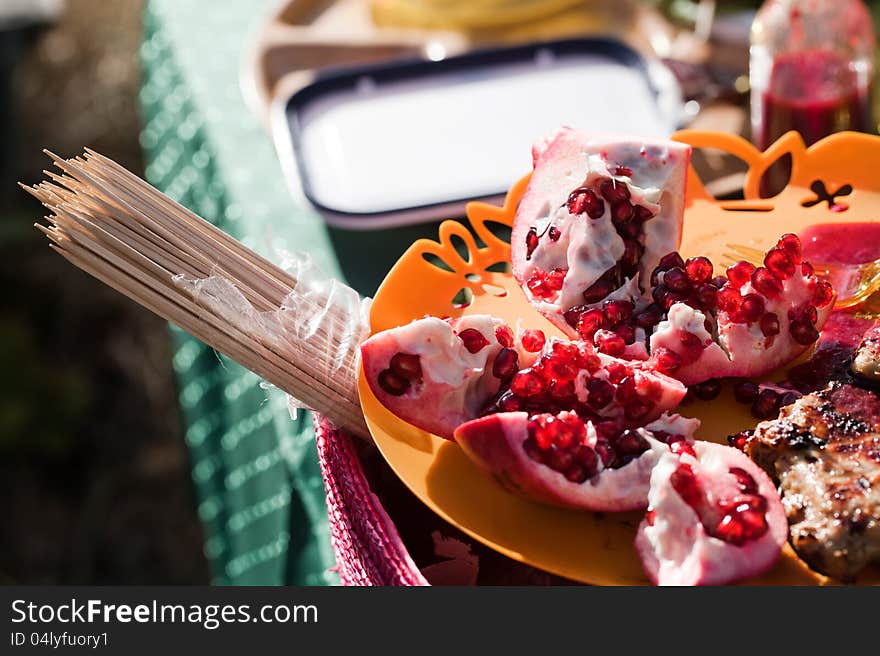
(616,223)
(438,374)
(760,320)
(715,518)
(564,460)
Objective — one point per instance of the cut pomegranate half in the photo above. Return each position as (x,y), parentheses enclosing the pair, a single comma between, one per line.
(437,374)
(714,517)
(563,460)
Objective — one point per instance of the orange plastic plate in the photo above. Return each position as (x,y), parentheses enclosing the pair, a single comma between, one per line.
(592,547)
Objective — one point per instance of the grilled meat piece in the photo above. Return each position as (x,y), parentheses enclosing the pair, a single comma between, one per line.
(866,363)
(824,453)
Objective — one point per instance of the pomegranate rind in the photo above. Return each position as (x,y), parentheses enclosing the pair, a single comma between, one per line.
(495,444)
(455,383)
(655,173)
(676,549)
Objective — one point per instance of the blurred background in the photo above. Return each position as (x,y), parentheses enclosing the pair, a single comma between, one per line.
(121,460)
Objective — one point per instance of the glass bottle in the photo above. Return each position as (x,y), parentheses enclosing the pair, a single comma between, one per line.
(811,65)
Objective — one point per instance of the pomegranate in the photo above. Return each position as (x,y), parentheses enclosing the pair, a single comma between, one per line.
(714,517)
(564,460)
(596,218)
(437,374)
(744,324)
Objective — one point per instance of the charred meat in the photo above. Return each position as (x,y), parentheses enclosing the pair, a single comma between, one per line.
(824,453)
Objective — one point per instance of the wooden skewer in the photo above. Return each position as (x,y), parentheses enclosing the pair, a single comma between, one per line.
(116,227)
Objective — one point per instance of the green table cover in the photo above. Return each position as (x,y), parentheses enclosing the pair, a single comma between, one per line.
(259,490)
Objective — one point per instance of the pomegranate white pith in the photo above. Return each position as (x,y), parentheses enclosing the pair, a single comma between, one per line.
(565,461)
(720,522)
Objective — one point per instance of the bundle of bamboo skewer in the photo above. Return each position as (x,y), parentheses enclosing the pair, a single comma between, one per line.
(113,225)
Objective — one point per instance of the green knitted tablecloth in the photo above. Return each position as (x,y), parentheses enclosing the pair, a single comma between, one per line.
(260,495)
(259,490)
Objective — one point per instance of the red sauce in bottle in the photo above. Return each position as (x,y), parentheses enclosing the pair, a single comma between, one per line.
(816,93)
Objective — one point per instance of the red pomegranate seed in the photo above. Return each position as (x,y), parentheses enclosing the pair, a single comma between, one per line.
(627,333)
(803,332)
(676,280)
(609,343)
(406,365)
(613,191)
(791,245)
(766,283)
(719,281)
(637,410)
(562,391)
(740,273)
(621,211)
(823,293)
(392,383)
(589,322)
(706,296)
(616,372)
(598,290)
(556,279)
(670,261)
(586,457)
(617,312)
(504,335)
(744,480)
(707,390)
(650,317)
(506,363)
(690,341)
(553,233)
(561,367)
(576,474)
(685,483)
(650,516)
(740,523)
(531,242)
(573,315)
(473,340)
(769,324)
(745,391)
(585,200)
(666,361)
(780,263)
(533,340)
(728,301)
(533,451)
(527,383)
(626,390)
(766,405)
(643,214)
(599,393)
(807,269)
(559,459)
(629,443)
(752,308)
(698,269)
(739,440)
